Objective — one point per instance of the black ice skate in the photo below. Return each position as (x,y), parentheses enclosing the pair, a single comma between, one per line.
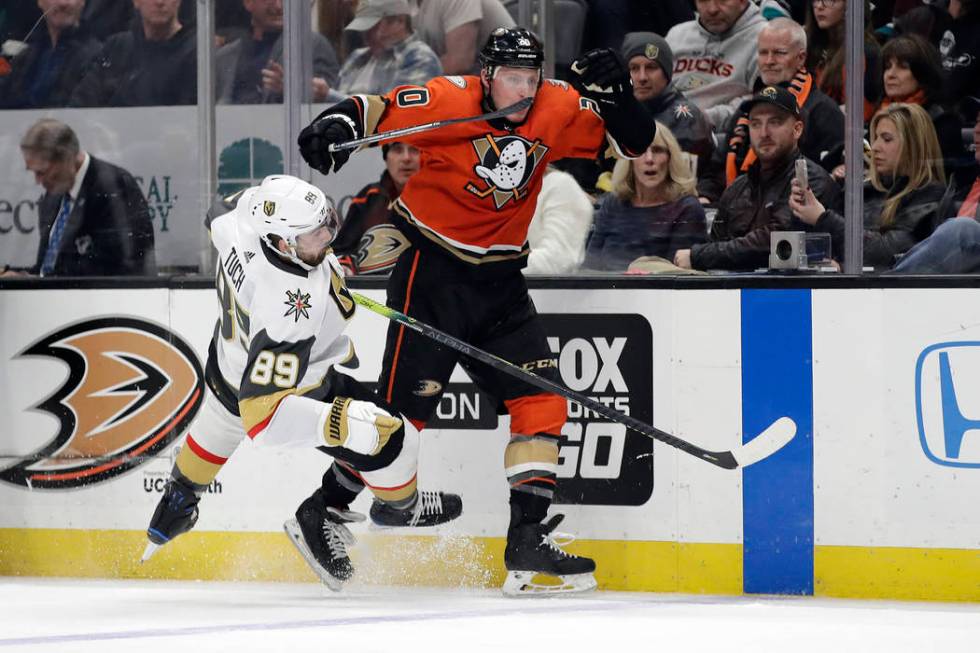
(320,535)
(536,549)
(430,509)
(175,514)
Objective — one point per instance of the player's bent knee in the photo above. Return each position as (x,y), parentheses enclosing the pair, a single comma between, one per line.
(544,413)
(396,480)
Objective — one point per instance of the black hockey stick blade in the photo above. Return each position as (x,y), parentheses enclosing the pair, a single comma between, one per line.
(771,440)
(429,126)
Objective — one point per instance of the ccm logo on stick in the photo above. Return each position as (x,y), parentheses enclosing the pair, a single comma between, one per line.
(947,407)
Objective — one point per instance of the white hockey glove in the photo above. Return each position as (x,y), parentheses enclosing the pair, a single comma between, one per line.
(359,426)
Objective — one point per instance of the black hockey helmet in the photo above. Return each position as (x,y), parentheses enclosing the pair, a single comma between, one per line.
(515,47)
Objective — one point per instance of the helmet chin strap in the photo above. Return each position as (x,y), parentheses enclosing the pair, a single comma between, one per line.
(290,256)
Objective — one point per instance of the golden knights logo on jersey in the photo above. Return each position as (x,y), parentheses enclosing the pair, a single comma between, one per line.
(132,388)
(298,303)
(506,165)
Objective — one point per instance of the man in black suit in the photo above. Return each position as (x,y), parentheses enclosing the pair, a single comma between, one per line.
(92,218)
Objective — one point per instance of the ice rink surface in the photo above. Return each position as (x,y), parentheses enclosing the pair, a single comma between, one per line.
(104,616)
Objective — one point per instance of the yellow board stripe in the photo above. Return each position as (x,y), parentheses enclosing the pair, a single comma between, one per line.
(897,573)
(690,568)
(379,559)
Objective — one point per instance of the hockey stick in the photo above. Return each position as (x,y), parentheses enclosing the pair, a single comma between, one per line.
(428,126)
(771,440)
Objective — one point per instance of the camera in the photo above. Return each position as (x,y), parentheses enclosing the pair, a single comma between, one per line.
(798,250)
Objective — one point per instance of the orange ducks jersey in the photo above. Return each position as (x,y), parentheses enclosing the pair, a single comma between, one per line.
(476,190)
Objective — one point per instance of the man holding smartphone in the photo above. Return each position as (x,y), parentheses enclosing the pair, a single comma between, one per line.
(757,201)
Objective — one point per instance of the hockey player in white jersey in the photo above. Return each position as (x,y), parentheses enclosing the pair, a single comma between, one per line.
(270,375)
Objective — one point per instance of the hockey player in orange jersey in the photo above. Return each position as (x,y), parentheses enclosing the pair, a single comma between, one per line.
(466,214)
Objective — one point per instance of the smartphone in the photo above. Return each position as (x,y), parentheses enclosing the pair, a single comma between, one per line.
(801,176)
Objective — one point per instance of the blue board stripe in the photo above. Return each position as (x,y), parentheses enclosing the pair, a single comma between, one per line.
(777,493)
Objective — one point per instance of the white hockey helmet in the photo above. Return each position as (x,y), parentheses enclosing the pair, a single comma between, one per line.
(288,207)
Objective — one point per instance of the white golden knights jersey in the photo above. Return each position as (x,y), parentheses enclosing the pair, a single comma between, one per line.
(279,333)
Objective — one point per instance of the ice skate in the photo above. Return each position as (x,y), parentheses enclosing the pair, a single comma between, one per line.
(321,536)
(175,514)
(430,509)
(534,549)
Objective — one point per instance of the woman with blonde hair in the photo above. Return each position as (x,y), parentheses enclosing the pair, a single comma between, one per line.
(901,197)
(652,210)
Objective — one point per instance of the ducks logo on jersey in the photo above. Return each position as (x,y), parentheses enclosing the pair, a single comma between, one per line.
(506,165)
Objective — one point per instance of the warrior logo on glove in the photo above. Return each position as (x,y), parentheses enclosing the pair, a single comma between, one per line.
(506,165)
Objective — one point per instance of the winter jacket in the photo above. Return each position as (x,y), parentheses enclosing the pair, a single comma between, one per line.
(913,222)
(756,204)
(42,76)
(685,121)
(133,72)
(717,71)
(823,135)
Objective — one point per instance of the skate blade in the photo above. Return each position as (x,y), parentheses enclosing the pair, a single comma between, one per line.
(527,584)
(148,552)
(296,537)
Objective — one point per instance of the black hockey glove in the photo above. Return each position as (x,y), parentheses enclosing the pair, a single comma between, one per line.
(315,140)
(601,76)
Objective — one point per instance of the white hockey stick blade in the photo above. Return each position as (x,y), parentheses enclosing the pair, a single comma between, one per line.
(774,438)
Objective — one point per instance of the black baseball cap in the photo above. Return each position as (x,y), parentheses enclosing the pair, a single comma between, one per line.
(776,96)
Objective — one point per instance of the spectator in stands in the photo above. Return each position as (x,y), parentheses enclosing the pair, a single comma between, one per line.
(902,197)
(560,226)
(782,58)
(757,202)
(930,21)
(651,66)
(954,248)
(394,55)
(715,56)
(825,35)
(457,29)
(652,211)
(249,69)
(960,49)
(914,75)
(369,242)
(152,64)
(56,55)
(92,218)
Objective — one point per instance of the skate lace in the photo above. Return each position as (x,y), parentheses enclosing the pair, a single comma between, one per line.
(338,537)
(428,503)
(555,541)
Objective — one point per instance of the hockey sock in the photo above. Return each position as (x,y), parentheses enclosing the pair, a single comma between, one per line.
(530,462)
(196,466)
(340,486)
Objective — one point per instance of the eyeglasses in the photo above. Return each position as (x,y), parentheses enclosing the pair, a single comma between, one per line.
(825,3)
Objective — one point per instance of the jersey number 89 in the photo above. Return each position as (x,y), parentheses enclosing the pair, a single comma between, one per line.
(281,369)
